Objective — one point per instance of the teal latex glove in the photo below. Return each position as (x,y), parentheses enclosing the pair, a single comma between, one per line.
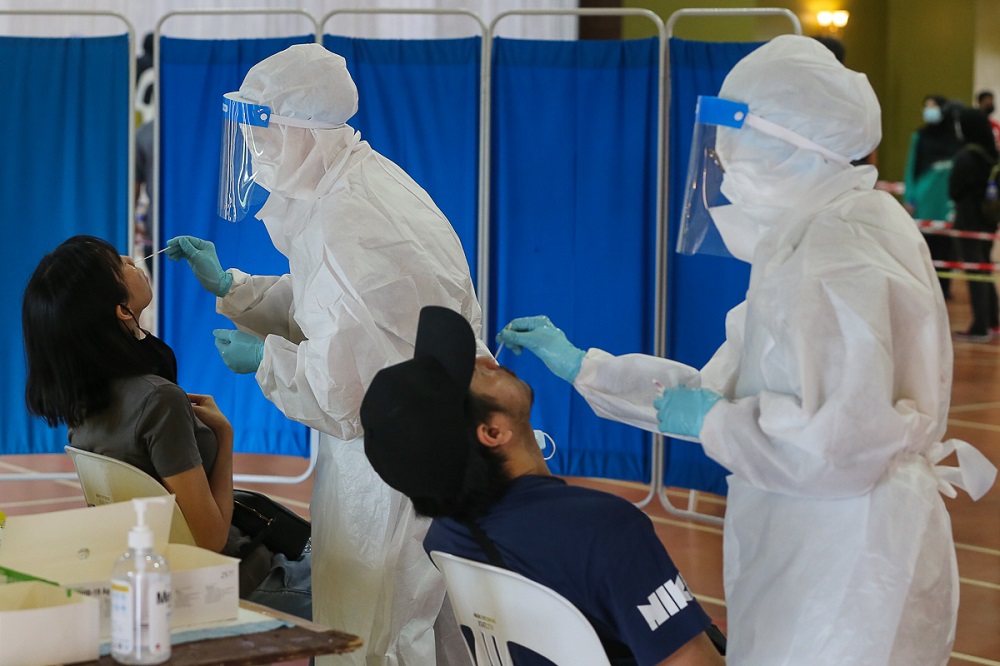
(682,410)
(540,336)
(200,254)
(241,352)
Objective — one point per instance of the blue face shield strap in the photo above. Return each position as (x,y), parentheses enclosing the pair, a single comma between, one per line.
(718,111)
(727,113)
(259,115)
(245,113)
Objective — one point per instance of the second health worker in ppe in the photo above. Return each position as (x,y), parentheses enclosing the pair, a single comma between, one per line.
(367,248)
(829,398)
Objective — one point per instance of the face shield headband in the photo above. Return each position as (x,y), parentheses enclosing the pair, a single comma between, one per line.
(237,175)
(702,191)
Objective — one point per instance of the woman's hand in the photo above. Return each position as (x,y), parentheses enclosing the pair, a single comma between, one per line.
(209,413)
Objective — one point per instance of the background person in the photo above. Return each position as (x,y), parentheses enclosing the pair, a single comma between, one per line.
(829,398)
(985,103)
(928,165)
(366,248)
(967,188)
(92,367)
(453,433)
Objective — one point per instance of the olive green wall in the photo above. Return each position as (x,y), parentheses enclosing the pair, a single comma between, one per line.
(907,48)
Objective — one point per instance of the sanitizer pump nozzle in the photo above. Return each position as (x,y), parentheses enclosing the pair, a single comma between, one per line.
(140,537)
(140,597)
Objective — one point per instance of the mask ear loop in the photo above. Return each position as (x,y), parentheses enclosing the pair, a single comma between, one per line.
(138,333)
(540,437)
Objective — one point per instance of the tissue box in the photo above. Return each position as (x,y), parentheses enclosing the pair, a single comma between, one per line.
(78,548)
(30,612)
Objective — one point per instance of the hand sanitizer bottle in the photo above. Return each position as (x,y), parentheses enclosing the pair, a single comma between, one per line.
(140,598)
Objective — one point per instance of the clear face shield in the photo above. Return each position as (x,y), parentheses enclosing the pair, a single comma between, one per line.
(703,187)
(239,193)
(698,232)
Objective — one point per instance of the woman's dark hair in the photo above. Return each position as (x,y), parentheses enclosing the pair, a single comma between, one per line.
(74,342)
(486,479)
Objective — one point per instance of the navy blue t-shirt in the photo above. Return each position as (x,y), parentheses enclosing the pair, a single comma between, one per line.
(597,550)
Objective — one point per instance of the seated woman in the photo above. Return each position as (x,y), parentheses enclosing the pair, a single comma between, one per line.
(91,366)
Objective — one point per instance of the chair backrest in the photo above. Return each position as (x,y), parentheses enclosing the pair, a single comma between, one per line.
(106,480)
(501,606)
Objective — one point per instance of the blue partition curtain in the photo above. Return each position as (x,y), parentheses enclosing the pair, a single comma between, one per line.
(419,107)
(573,223)
(194,74)
(572,208)
(65,144)
(701,288)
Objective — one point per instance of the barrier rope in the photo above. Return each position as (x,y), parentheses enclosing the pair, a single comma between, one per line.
(969,277)
(891,187)
(966,266)
(942,228)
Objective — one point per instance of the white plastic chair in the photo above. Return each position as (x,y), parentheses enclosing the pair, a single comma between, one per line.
(106,480)
(500,606)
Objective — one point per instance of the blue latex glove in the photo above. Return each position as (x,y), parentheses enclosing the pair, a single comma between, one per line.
(542,338)
(200,254)
(682,410)
(241,352)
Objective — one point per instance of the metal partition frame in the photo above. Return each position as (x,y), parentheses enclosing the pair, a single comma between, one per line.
(662,139)
(130,185)
(661,125)
(656,487)
(155,217)
(483,209)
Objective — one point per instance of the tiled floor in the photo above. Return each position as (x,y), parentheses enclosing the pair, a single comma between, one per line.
(697,546)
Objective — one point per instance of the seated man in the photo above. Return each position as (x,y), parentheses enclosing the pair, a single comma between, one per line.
(452,432)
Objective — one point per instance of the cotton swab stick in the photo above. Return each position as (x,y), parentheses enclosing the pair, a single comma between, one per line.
(154,254)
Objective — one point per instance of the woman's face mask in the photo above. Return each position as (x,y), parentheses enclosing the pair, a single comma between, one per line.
(932,115)
(160,355)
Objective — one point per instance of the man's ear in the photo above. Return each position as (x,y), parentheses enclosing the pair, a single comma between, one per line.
(494,432)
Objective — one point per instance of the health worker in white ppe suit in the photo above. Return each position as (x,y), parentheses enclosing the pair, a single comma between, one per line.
(829,398)
(367,248)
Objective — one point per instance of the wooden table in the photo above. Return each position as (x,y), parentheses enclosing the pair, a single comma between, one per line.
(301,641)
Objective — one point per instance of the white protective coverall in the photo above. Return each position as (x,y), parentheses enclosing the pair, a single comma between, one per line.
(367,249)
(836,373)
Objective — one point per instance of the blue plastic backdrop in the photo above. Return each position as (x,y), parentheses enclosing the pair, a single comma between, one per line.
(573,223)
(701,288)
(419,106)
(66,150)
(572,208)
(194,74)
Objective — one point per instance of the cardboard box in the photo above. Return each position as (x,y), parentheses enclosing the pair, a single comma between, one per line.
(78,548)
(30,612)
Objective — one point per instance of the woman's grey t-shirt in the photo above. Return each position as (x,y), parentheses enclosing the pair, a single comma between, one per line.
(149,424)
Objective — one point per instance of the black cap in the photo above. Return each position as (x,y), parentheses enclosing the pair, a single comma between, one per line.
(413,413)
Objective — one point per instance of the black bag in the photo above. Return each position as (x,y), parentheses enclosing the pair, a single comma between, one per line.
(991,201)
(266,521)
